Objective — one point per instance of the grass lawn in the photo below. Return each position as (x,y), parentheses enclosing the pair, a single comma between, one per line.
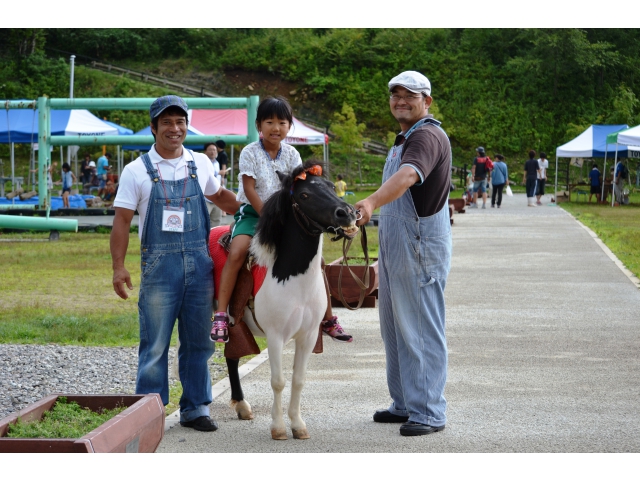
(617,227)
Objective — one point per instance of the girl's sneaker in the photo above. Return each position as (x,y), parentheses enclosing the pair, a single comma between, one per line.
(334,330)
(220,328)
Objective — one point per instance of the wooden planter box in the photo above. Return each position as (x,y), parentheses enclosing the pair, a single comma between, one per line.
(138,429)
(350,289)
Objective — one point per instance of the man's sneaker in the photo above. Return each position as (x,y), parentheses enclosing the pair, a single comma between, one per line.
(202,424)
(220,328)
(484,207)
(333,329)
(473,205)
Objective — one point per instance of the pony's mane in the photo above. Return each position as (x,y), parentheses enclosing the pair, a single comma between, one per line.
(275,213)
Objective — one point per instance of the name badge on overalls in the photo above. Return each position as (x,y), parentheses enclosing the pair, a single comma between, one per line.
(173,219)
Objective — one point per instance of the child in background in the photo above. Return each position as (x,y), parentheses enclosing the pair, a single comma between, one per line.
(68,178)
(341,187)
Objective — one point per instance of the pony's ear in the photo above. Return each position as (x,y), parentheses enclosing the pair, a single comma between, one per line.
(281,176)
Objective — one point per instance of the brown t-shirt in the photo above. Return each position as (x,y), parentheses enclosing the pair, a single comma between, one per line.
(429,151)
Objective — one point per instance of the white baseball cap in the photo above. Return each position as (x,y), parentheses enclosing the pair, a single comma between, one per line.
(413,81)
(92,163)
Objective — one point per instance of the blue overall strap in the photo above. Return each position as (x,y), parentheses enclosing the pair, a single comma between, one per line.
(419,123)
(192,169)
(153,173)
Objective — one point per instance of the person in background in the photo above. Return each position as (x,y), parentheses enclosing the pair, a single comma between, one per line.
(481,173)
(223,160)
(499,179)
(102,171)
(341,187)
(618,183)
(543,165)
(68,179)
(530,177)
(595,180)
(215,213)
(85,170)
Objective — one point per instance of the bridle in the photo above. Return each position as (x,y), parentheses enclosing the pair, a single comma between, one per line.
(308,225)
(313,228)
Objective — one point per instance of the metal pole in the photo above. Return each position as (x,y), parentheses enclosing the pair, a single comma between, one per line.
(613,180)
(555,191)
(13,173)
(43,151)
(37,223)
(73,57)
(604,171)
(252,114)
(230,181)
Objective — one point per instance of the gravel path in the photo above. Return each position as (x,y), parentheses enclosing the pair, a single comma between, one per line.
(31,372)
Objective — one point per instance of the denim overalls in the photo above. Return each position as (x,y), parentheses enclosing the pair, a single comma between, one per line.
(414,261)
(177,282)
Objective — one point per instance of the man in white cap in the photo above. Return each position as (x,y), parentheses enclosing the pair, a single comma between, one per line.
(414,259)
(167,187)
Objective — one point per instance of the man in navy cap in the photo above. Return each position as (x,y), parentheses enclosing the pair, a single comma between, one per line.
(167,187)
(414,259)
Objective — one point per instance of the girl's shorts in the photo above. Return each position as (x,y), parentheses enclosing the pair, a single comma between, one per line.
(246,219)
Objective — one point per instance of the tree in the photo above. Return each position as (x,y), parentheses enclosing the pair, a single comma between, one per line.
(349,138)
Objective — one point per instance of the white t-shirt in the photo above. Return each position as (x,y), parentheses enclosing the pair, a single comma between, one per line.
(543,165)
(135,185)
(256,163)
(216,169)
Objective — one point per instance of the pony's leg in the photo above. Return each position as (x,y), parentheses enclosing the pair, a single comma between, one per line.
(304,348)
(278,428)
(238,403)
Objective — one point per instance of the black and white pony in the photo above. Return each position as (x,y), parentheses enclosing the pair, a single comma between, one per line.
(292,299)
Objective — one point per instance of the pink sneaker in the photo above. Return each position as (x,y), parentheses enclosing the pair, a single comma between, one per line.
(334,330)
(220,328)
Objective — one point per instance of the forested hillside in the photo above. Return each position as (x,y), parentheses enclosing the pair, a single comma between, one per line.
(509,90)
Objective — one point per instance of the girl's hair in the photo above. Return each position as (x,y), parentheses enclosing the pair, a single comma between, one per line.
(499,157)
(65,166)
(274,107)
(532,153)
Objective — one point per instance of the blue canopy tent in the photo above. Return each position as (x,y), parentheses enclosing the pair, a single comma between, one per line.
(21,126)
(592,143)
(121,131)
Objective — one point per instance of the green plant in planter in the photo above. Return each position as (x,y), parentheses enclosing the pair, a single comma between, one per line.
(64,420)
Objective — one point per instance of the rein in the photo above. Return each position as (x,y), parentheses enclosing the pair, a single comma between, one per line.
(313,228)
(362,284)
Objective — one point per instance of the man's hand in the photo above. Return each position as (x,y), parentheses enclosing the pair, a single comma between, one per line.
(366,210)
(120,277)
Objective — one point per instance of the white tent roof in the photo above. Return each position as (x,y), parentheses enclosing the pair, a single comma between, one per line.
(630,137)
(590,143)
(301,134)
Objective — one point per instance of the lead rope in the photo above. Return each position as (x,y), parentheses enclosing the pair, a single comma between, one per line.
(364,283)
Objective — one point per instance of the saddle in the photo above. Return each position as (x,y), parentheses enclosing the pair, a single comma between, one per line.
(250,279)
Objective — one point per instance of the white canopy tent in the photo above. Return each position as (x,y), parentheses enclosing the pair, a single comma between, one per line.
(628,138)
(589,144)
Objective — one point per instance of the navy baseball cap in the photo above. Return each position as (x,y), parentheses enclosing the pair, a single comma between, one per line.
(162,103)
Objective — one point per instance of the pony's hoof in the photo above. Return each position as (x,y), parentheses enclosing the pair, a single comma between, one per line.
(301,434)
(243,409)
(279,434)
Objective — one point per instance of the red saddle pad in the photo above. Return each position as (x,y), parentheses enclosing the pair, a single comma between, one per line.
(219,256)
